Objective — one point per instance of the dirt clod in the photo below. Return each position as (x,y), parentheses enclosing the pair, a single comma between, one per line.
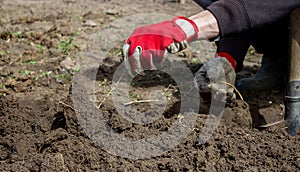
(40,43)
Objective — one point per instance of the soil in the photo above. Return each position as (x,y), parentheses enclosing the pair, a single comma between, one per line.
(40,130)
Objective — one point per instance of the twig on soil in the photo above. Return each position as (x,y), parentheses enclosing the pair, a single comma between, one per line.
(140,101)
(190,91)
(240,95)
(110,92)
(106,96)
(271,124)
(60,102)
(63,162)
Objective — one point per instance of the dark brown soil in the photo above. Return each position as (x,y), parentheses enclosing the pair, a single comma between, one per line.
(40,47)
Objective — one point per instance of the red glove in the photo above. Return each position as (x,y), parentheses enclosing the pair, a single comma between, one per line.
(145,49)
(227,56)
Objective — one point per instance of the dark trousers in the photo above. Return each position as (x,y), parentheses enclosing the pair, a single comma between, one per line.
(271,41)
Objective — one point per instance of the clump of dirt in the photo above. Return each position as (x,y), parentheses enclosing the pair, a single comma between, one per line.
(40,43)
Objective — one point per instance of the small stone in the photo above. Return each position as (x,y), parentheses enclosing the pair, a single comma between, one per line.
(68,64)
(113,12)
(89,23)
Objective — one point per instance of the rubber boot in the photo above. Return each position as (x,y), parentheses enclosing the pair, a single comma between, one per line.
(271,75)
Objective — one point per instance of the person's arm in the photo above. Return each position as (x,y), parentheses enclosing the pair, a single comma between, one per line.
(207,25)
(234,16)
(225,17)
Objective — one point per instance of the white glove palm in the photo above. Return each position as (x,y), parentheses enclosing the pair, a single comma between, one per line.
(214,77)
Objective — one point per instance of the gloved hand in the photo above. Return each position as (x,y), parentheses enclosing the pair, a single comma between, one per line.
(213,76)
(147,46)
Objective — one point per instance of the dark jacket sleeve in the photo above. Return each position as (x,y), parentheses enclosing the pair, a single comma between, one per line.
(236,16)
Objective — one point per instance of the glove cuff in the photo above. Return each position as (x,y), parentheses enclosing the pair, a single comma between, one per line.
(188,26)
(230,59)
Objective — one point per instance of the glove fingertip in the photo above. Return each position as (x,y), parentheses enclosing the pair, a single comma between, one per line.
(125,51)
(136,57)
